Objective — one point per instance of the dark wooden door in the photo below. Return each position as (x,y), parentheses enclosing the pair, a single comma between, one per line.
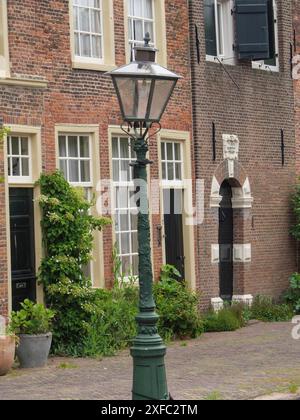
(173,219)
(226,242)
(22,245)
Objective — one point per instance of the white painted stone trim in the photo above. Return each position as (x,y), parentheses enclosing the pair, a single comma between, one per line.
(246,299)
(242,253)
(217,304)
(231,145)
(215,197)
(215,254)
(2,325)
(241,197)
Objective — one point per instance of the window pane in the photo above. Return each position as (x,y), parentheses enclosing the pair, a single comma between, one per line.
(164,171)
(63,166)
(220,28)
(125,240)
(178,171)
(138,34)
(77,48)
(135,265)
(115,148)
(163,152)
(177,151)
(124,148)
(16,167)
(96,47)
(24,146)
(96,21)
(73,171)
(116,171)
(73,146)
(134,242)
(133,221)
(149,28)
(15,145)
(126,265)
(85,171)
(62,146)
(25,167)
(170,172)
(75,16)
(137,8)
(124,221)
(148,9)
(84,147)
(210,27)
(85,45)
(84,19)
(169,151)
(8,145)
(161,96)
(9,167)
(125,171)
(122,198)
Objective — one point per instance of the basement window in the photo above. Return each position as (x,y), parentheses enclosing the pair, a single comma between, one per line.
(219,35)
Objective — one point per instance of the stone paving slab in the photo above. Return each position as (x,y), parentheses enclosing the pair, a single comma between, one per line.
(258,360)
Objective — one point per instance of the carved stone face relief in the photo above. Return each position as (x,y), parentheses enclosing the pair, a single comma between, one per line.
(230,146)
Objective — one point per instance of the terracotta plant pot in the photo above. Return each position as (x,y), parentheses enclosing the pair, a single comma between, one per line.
(7,353)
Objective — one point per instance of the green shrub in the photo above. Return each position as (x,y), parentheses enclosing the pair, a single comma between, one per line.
(177,307)
(32,319)
(292,296)
(264,309)
(227,319)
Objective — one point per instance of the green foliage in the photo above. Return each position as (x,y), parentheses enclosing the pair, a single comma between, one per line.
(264,309)
(32,319)
(112,326)
(177,307)
(292,296)
(169,272)
(68,230)
(227,319)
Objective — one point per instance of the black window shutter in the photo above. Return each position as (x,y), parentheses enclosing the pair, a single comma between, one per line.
(272,60)
(252,29)
(210,27)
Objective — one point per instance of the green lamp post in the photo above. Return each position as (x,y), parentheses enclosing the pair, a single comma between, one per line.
(144,89)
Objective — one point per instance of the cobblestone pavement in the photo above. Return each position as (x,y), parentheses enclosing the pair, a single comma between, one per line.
(258,360)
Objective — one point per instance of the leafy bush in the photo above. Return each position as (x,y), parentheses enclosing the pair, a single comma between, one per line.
(227,319)
(264,309)
(177,307)
(32,319)
(68,230)
(292,296)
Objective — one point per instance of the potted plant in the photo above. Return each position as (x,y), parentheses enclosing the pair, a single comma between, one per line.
(32,324)
(7,348)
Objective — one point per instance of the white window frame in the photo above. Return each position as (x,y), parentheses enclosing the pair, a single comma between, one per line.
(260,65)
(132,18)
(175,183)
(20,179)
(227,26)
(78,158)
(91,59)
(129,185)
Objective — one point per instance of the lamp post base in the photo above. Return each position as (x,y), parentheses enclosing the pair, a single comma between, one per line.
(149,373)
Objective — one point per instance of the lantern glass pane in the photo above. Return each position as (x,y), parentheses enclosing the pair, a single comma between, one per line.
(161,96)
(134,95)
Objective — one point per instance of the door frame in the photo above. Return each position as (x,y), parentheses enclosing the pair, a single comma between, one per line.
(183,137)
(36,160)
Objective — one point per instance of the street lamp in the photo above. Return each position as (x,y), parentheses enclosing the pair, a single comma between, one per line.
(144,89)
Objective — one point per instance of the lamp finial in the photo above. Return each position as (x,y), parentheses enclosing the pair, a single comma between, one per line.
(147,39)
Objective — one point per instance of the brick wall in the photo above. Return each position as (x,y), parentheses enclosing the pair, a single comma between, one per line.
(40,47)
(256,112)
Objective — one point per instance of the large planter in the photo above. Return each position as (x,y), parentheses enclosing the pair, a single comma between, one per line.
(7,353)
(33,350)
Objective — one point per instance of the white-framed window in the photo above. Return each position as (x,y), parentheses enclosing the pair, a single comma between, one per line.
(219,30)
(172,162)
(19,159)
(141,19)
(273,63)
(75,160)
(125,207)
(88,30)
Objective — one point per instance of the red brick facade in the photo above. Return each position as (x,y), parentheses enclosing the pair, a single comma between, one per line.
(39,45)
(255,112)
